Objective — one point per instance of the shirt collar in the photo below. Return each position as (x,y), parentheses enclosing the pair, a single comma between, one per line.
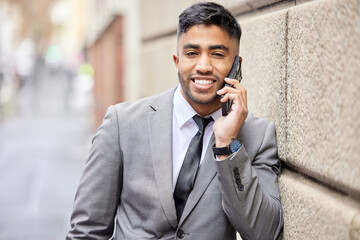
(183,110)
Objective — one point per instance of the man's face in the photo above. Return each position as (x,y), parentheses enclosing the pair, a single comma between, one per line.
(204,58)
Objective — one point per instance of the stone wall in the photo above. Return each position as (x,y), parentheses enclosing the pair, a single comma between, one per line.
(301,66)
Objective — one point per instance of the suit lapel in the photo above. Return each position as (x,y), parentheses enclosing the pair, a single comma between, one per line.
(205,175)
(160,132)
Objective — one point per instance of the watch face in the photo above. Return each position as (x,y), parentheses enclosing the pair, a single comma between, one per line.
(235,145)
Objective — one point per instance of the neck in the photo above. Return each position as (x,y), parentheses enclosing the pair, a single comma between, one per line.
(204,109)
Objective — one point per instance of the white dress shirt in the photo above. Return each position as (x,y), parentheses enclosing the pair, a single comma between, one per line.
(184,129)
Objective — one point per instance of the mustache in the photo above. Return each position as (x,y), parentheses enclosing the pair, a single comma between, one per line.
(193,75)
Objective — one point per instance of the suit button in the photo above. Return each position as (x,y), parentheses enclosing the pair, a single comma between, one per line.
(180,234)
(241,187)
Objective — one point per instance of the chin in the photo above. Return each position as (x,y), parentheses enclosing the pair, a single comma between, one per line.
(193,95)
(208,99)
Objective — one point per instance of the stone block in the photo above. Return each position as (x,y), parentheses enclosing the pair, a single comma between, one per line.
(159,17)
(312,211)
(236,7)
(155,23)
(158,69)
(323,112)
(263,49)
(255,4)
(261,8)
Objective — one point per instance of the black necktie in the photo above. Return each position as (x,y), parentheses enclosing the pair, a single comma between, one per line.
(190,166)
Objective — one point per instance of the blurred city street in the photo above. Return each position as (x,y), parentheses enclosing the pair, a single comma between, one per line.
(43,148)
(62,64)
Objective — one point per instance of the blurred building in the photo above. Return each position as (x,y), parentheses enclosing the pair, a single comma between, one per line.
(70,21)
(8,83)
(113,48)
(33,31)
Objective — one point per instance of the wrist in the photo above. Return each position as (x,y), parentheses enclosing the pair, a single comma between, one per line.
(223,152)
(222,157)
(222,142)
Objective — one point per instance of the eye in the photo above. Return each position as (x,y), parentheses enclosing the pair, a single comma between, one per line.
(218,54)
(191,53)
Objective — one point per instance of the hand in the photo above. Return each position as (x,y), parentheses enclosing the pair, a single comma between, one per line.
(228,127)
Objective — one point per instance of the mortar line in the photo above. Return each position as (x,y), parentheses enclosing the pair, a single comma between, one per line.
(286,81)
(336,189)
(173,32)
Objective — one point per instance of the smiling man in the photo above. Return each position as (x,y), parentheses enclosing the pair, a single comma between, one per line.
(170,166)
(204,58)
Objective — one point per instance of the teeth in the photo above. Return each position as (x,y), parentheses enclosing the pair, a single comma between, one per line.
(203,82)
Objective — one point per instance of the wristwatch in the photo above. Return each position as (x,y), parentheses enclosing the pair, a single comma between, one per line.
(234,145)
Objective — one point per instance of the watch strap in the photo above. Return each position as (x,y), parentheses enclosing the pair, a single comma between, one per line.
(221,151)
(234,146)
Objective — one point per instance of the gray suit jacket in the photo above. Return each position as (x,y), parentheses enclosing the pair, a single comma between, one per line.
(128,177)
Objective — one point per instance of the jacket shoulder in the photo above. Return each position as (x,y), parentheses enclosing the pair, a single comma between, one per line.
(257,124)
(145,105)
(253,132)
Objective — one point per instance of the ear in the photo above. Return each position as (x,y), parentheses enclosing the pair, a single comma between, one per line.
(176,60)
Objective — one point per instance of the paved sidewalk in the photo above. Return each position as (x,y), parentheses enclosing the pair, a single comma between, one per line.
(42,152)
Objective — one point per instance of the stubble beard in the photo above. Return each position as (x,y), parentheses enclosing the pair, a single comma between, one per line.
(197,98)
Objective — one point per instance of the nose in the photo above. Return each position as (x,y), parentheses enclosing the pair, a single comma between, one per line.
(203,65)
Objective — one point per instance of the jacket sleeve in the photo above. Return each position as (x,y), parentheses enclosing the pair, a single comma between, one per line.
(98,194)
(250,191)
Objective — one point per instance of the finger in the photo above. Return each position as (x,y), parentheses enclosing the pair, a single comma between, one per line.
(230,96)
(239,105)
(232,82)
(237,89)
(238,100)
(227,89)
(243,98)
(243,94)
(235,98)
(225,98)
(223,91)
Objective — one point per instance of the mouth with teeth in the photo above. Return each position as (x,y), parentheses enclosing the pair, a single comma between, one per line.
(203,83)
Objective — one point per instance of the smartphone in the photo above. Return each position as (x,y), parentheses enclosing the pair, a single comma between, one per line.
(235,73)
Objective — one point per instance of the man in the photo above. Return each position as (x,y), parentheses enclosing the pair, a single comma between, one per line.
(162,173)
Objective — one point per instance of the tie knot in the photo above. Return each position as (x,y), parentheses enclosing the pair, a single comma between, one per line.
(202,122)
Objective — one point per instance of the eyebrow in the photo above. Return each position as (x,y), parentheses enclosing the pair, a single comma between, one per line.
(220,46)
(191,45)
(212,47)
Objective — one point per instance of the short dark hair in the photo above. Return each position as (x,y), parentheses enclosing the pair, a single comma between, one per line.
(209,13)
